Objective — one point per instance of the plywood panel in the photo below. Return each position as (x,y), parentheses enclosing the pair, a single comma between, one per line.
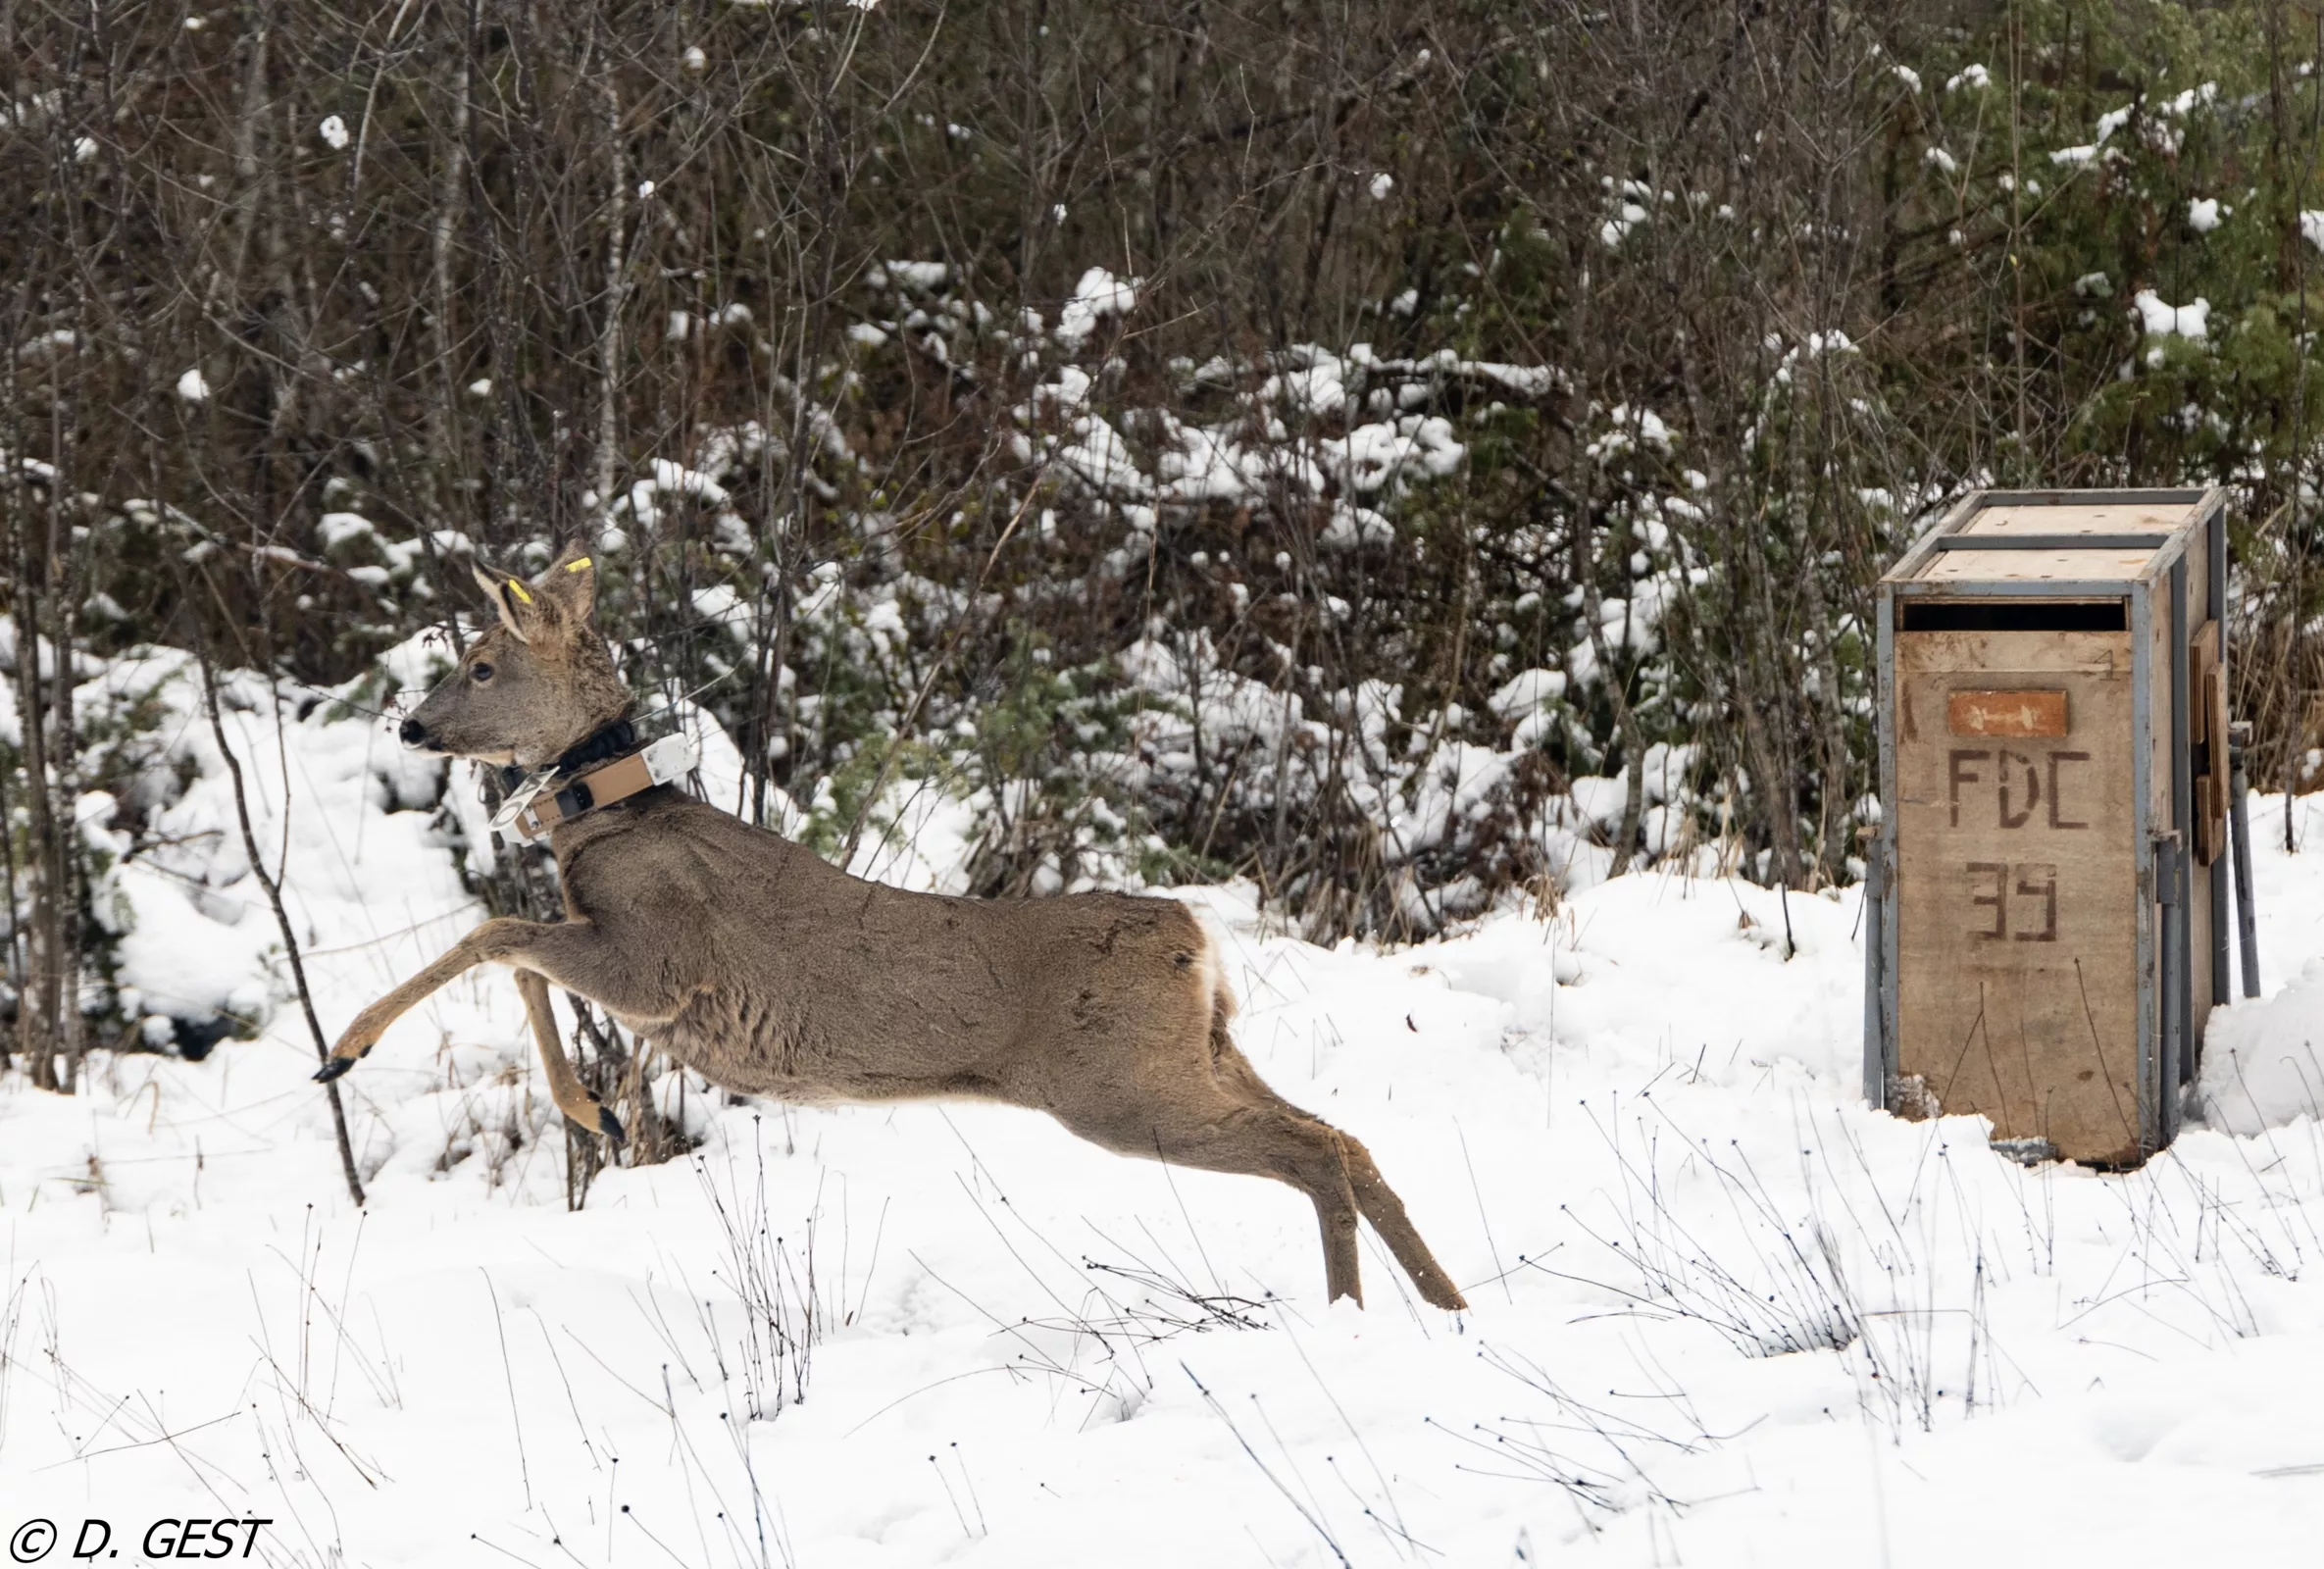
(2097,653)
(2017,893)
(2035,565)
(2103,518)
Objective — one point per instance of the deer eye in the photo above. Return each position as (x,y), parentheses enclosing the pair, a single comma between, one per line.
(480,672)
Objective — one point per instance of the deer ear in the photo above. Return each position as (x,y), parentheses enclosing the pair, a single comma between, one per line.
(571,581)
(513,600)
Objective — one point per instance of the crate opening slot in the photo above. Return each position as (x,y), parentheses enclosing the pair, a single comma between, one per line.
(1916,614)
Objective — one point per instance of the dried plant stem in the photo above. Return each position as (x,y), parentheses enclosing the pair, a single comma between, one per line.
(291,944)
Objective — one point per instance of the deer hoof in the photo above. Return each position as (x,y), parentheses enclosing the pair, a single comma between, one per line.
(336,1068)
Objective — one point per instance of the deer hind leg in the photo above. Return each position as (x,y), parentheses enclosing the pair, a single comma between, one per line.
(1373,1197)
(1218,1134)
(573,1097)
(1279,1142)
(1386,1211)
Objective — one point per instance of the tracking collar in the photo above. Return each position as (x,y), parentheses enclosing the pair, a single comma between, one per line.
(605,767)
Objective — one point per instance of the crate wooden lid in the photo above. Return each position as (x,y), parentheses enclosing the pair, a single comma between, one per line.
(2083,537)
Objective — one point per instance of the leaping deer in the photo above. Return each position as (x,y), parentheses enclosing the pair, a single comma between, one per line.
(759,965)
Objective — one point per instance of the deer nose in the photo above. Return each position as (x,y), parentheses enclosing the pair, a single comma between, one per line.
(413,733)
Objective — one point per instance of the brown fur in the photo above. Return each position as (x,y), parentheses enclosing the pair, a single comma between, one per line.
(756,963)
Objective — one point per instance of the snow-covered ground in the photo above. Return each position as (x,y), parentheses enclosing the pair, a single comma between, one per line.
(1722,1314)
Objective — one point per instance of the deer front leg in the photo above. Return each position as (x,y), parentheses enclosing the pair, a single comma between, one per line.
(495,939)
(582,1108)
(573,953)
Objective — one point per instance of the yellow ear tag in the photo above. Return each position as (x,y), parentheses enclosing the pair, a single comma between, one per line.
(581,565)
(518,589)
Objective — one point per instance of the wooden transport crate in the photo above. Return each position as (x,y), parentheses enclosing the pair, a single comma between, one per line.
(2046,921)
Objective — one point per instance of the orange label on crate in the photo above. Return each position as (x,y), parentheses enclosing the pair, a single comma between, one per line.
(2006,713)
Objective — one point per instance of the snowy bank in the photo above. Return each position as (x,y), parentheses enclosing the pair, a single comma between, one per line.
(2264,1060)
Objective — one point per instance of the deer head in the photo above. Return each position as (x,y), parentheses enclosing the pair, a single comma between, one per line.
(533,687)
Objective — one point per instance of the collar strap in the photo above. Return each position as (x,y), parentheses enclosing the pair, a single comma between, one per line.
(601,744)
(566,797)
(606,767)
